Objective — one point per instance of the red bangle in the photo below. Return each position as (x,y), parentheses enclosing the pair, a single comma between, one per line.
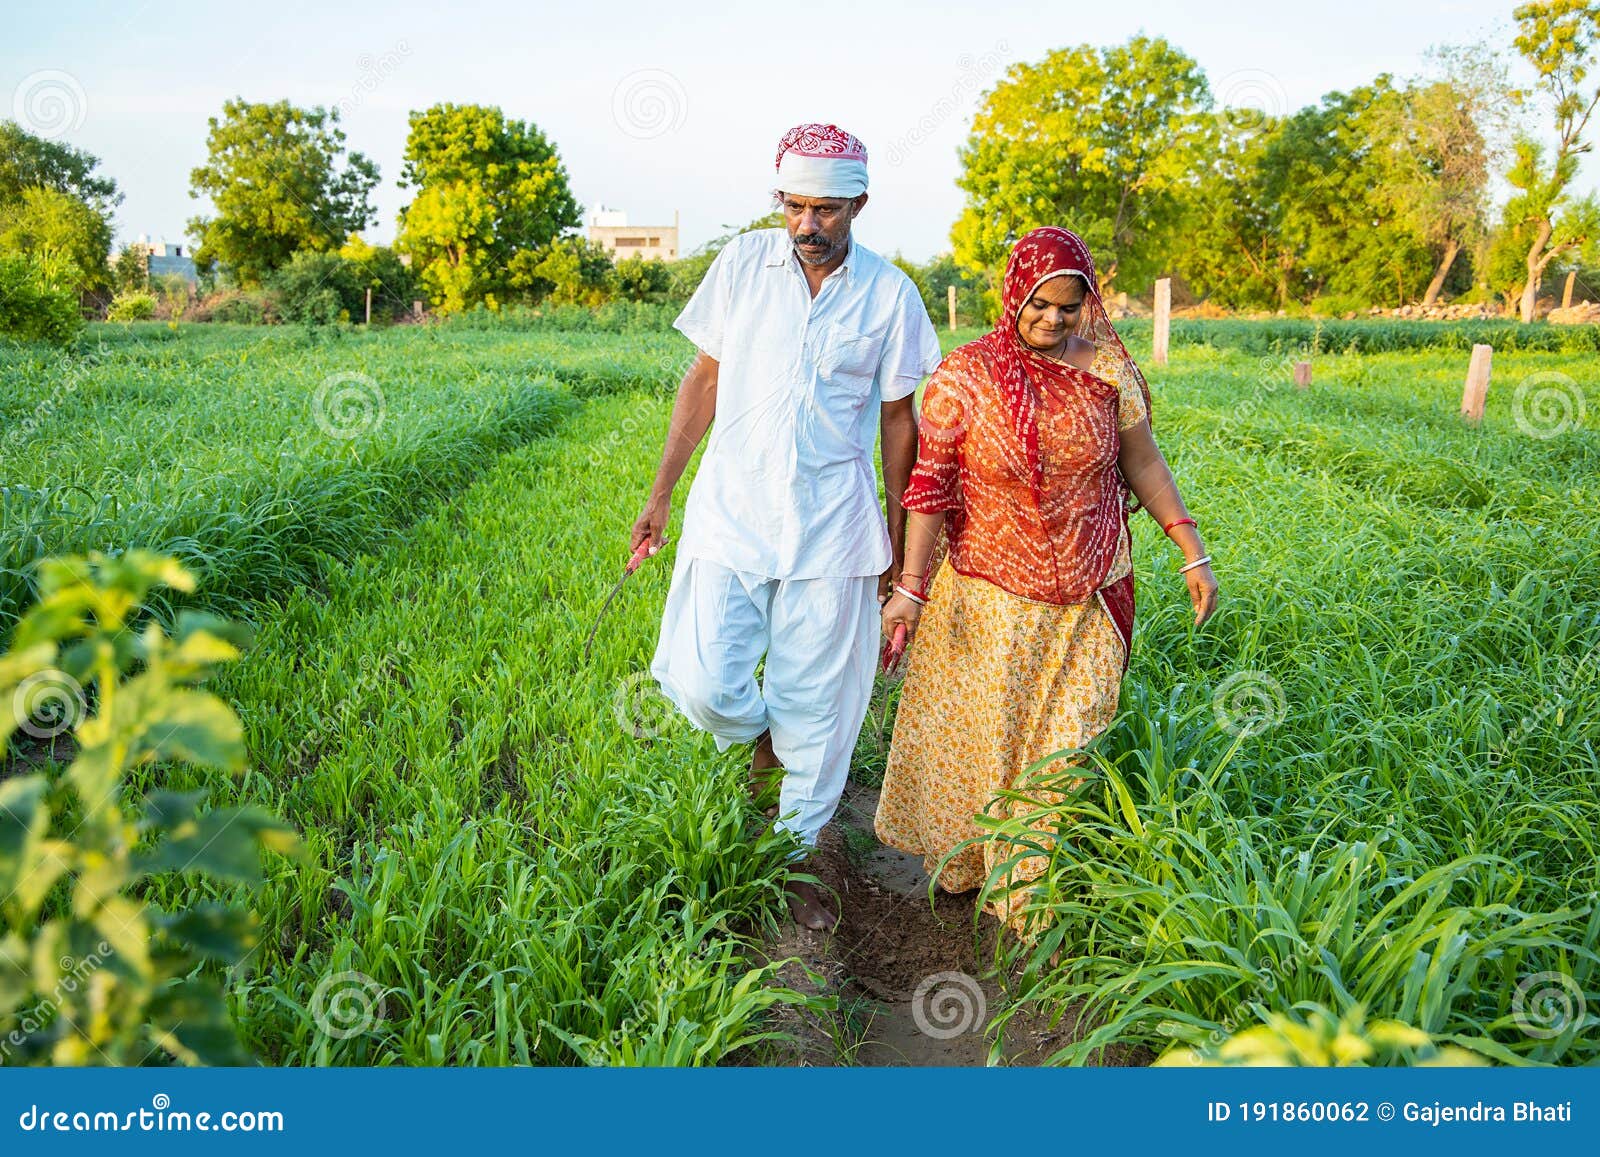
(1167,529)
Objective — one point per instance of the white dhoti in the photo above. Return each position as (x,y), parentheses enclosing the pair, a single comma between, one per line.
(820,639)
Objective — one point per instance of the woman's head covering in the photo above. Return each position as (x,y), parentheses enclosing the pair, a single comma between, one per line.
(1055,252)
(816,160)
(1023,374)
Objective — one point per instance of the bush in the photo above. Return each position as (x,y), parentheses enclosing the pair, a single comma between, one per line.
(636,279)
(379,268)
(34,307)
(319,289)
(94,971)
(238,306)
(132,306)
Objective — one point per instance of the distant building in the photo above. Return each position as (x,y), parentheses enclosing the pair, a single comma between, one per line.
(610,228)
(163,259)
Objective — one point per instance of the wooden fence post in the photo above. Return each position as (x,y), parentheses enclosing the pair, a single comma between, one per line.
(369,305)
(1566,294)
(1477,387)
(950,294)
(1302,375)
(1163,325)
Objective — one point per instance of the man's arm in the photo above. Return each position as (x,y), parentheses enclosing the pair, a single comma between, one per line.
(692,411)
(898,423)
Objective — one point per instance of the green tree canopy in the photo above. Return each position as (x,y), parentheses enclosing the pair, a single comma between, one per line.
(280,181)
(43,222)
(1098,140)
(1558,38)
(492,196)
(28,161)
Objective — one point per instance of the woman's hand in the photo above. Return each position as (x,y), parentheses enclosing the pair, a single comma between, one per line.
(1202,592)
(898,611)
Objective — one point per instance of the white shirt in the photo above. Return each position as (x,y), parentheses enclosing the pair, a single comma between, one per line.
(786,487)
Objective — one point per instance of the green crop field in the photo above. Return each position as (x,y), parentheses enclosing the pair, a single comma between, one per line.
(1369,780)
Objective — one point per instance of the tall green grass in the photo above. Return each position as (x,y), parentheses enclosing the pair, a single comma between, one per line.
(519,878)
(1411,608)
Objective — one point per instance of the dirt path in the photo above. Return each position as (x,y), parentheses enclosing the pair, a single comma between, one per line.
(914,984)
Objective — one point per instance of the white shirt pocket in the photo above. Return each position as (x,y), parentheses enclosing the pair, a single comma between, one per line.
(847,361)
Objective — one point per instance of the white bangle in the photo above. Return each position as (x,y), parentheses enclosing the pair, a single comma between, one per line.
(1201,561)
(910,594)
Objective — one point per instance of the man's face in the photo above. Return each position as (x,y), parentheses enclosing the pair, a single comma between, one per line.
(819,226)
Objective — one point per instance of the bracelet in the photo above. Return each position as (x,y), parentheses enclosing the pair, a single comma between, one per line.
(1167,529)
(914,596)
(1201,561)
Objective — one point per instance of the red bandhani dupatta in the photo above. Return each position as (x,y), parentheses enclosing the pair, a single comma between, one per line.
(1025,379)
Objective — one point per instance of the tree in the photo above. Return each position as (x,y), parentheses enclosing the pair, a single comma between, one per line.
(1557,37)
(53,204)
(131,270)
(28,161)
(569,271)
(380,269)
(1100,141)
(1232,251)
(45,221)
(280,181)
(636,279)
(491,195)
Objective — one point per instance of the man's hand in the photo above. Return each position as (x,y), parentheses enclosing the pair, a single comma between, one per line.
(885,585)
(652,523)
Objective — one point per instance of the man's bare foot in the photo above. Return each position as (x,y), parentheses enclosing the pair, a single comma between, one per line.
(807,907)
(766,772)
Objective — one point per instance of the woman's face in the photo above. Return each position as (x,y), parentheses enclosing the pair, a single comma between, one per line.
(1052,313)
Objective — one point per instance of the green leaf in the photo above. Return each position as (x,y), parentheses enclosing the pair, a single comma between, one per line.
(190,725)
(15,666)
(95,775)
(190,1020)
(24,819)
(121,924)
(191,622)
(164,810)
(16,979)
(224,843)
(215,931)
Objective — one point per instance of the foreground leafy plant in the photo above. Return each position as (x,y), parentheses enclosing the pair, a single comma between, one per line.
(89,972)
(1321,1039)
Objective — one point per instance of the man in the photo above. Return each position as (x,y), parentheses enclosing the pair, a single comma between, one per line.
(807,342)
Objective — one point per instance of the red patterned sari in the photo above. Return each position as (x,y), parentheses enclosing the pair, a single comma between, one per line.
(1014,659)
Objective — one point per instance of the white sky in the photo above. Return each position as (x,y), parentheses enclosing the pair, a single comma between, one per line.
(140,80)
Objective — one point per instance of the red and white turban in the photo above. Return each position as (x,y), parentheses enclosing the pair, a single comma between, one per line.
(821,161)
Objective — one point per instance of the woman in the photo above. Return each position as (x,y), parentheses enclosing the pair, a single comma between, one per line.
(1030,440)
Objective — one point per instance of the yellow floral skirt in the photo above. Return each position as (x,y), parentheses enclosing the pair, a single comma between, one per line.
(994,683)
